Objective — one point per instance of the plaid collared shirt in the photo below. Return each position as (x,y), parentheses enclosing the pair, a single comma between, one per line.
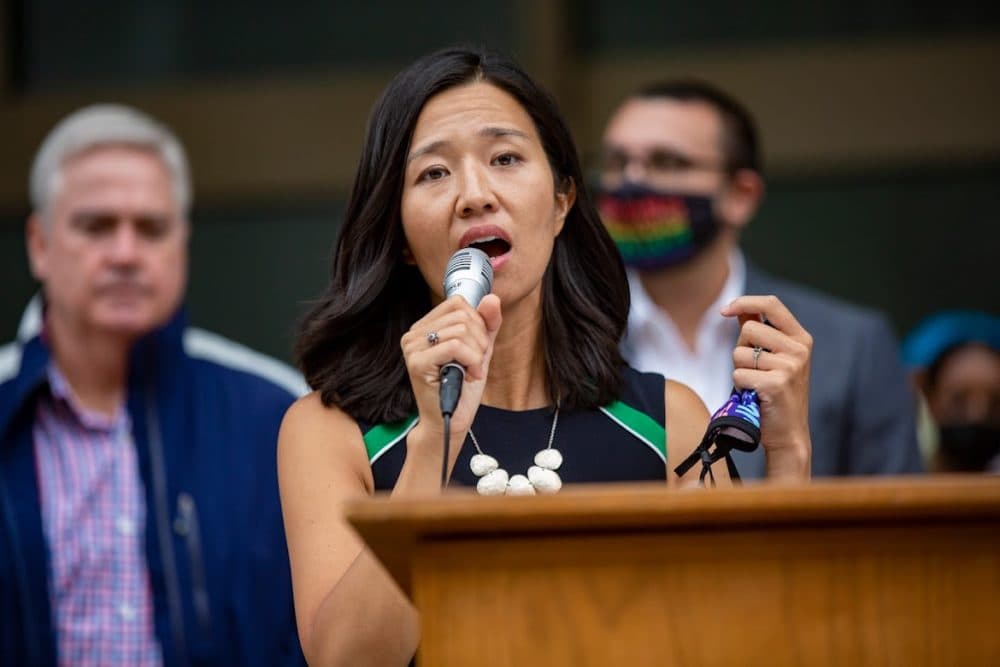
(94,518)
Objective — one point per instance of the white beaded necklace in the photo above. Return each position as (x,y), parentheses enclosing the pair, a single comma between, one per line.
(541,478)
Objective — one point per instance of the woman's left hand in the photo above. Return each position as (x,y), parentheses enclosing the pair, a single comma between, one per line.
(779,373)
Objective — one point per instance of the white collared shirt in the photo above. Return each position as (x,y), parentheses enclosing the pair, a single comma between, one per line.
(654,344)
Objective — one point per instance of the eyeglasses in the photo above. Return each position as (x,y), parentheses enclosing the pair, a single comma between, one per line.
(659,162)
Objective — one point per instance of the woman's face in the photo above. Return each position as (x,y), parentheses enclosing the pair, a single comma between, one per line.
(477,175)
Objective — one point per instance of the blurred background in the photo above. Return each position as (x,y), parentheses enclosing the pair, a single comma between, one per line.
(880,122)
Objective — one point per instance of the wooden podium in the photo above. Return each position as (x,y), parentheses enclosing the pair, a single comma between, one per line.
(901,572)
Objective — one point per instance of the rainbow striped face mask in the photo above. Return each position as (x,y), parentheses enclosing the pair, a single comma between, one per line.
(657,230)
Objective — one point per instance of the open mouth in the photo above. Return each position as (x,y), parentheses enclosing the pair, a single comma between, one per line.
(491,239)
(493,246)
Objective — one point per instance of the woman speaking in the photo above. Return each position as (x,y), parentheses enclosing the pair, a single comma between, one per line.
(464,150)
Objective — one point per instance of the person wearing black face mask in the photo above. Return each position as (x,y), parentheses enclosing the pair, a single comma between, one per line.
(969,446)
(680,177)
(956,358)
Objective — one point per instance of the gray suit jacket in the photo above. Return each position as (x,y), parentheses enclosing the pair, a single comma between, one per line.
(861,407)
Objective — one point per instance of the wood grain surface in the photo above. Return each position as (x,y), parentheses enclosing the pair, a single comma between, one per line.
(896,572)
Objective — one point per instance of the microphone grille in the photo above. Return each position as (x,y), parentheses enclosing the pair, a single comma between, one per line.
(469,264)
(470,259)
(460,261)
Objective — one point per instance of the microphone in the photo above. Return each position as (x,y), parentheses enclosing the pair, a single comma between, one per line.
(470,274)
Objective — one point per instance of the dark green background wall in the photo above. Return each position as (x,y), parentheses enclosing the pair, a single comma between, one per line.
(909,239)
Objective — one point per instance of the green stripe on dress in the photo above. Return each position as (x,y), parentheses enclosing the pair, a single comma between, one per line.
(640,425)
(380,438)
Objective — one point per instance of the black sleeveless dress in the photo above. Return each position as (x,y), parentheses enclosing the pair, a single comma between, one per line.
(623,441)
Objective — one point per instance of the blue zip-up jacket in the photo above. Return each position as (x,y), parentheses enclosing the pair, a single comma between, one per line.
(205,433)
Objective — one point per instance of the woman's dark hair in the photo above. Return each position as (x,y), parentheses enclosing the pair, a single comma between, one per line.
(349,343)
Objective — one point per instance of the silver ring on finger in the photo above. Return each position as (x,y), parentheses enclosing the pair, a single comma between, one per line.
(432,337)
(757,349)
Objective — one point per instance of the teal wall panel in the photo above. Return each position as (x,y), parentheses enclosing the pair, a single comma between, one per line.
(155,41)
(624,25)
(907,242)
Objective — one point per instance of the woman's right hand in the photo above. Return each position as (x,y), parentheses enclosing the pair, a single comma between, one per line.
(465,335)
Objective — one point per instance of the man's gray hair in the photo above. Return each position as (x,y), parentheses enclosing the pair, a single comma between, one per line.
(106,125)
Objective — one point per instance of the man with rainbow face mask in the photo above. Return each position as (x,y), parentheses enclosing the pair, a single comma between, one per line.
(680,178)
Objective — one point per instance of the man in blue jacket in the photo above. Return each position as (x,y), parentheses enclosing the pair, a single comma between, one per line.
(681,177)
(139,513)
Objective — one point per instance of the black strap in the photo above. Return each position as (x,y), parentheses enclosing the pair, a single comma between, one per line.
(736,425)
(708,455)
